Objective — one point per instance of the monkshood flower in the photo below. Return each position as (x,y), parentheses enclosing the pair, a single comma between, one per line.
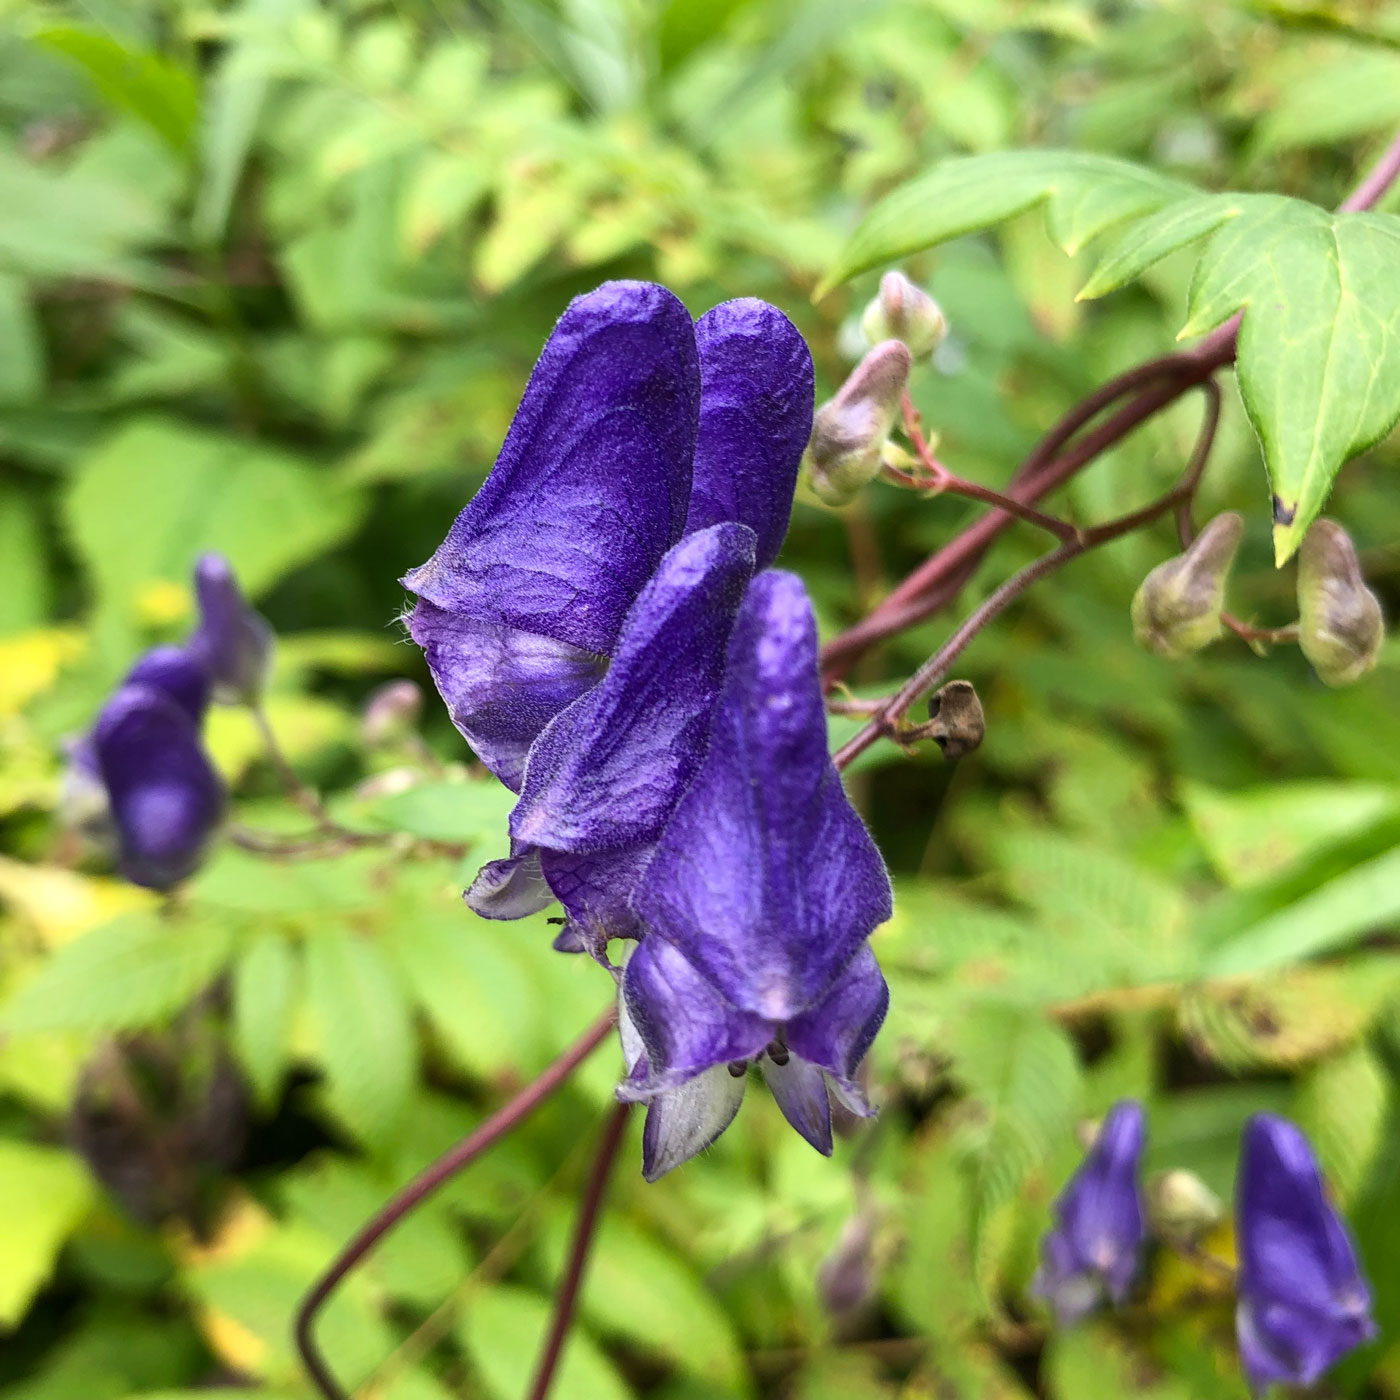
(606,773)
(636,428)
(233,642)
(164,799)
(1095,1247)
(1303,1303)
(755,909)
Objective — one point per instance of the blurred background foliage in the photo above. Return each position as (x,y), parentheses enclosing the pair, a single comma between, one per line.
(272,275)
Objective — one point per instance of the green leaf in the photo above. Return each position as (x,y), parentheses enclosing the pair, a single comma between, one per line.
(1084,194)
(1023,1071)
(131,972)
(364,1031)
(264,996)
(1341,1106)
(197,491)
(1334,99)
(641,1291)
(1151,239)
(468,812)
(1338,912)
(21,344)
(44,1193)
(1255,835)
(1318,361)
(476,993)
(503,1328)
(150,87)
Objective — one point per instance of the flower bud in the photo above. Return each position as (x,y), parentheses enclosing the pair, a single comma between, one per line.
(850,430)
(1340,627)
(1181,1206)
(391,712)
(233,641)
(904,312)
(1177,609)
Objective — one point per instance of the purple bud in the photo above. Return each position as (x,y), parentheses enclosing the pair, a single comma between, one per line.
(179,674)
(165,797)
(233,641)
(1096,1245)
(1303,1303)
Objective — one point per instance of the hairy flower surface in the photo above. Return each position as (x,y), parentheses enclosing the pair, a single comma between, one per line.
(1095,1247)
(164,798)
(756,908)
(1303,1303)
(233,641)
(637,426)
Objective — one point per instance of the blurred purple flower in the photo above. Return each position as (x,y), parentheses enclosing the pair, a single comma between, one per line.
(755,909)
(636,427)
(164,798)
(233,642)
(1100,1228)
(1303,1303)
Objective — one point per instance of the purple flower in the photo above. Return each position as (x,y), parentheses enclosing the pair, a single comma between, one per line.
(755,908)
(164,798)
(1303,1303)
(233,642)
(1100,1229)
(636,427)
(606,773)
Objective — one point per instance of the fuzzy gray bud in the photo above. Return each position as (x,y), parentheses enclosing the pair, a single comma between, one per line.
(1181,1206)
(902,311)
(1340,626)
(850,430)
(1177,609)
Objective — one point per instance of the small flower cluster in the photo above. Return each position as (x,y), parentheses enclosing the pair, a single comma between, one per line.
(605,628)
(140,780)
(1303,1303)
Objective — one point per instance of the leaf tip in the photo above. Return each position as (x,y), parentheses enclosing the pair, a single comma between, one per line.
(1288,530)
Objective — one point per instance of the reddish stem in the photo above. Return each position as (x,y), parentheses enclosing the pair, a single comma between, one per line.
(589,1211)
(510,1116)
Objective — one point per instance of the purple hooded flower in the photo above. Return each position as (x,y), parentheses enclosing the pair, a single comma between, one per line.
(606,773)
(1303,1303)
(636,427)
(1100,1229)
(233,642)
(164,798)
(756,907)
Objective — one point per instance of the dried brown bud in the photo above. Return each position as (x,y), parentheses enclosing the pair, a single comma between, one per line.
(904,312)
(956,722)
(1177,608)
(850,430)
(1340,626)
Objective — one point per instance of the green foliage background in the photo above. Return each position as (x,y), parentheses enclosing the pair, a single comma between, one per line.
(271,278)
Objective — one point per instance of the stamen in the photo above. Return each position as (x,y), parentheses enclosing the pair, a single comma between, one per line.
(738,1068)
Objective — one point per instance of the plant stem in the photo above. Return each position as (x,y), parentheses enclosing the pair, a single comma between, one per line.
(936,667)
(297,790)
(509,1116)
(566,1299)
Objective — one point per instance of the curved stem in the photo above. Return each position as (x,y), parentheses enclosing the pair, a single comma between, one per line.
(567,1297)
(424,1185)
(936,667)
(297,790)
